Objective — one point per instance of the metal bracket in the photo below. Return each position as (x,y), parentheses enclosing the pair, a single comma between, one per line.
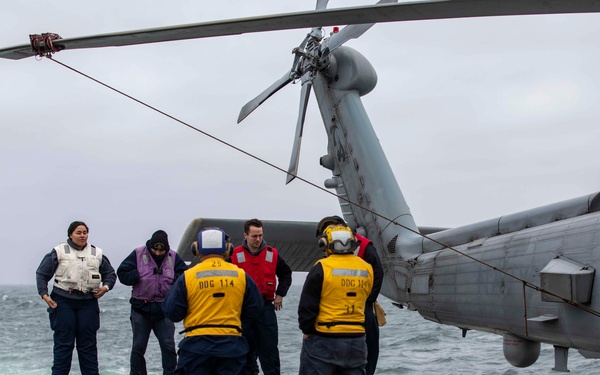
(561,357)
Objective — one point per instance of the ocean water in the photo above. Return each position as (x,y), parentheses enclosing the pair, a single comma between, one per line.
(408,345)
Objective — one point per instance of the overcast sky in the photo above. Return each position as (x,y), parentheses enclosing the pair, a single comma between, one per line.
(479,118)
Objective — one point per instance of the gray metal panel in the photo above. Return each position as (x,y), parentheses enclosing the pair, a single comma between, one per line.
(295,240)
(545,214)
(467,294)
(568,279)
(461,235)
(513,222)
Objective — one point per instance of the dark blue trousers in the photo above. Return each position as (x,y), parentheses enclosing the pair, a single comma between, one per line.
(75,321)
(194,364)
(263,339)
(164,330)
(372,335)
(333,355)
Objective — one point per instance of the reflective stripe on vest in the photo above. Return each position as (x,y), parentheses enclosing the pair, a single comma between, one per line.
(215,293)
(78,270)
(153,286)
(347,282)
(262,268)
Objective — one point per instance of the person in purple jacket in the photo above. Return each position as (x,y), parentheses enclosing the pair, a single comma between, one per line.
(151,270)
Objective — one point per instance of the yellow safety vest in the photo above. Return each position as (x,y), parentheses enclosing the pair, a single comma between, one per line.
(347,282)
(215,293)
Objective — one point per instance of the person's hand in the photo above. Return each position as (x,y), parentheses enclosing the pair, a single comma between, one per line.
(278,302)
(51,303)
(100,292)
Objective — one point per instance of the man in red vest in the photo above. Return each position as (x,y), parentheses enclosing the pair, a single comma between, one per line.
(273,278)
(368,253)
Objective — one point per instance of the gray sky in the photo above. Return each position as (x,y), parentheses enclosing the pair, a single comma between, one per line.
(479,118)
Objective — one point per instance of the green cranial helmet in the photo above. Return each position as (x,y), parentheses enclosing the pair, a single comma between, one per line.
(327,221)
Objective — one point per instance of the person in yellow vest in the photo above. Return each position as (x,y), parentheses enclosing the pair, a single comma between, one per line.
(365,250)
(214,299)
(331,311)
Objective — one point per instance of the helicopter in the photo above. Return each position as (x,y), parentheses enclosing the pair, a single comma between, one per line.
(408,259)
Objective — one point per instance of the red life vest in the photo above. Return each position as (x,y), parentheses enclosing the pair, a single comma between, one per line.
(364,242)
(261,268)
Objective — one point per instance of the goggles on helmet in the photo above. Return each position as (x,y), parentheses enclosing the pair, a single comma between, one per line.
(339,239)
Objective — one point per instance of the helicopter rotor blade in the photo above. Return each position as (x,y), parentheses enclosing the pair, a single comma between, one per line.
(347,33)
(413,11)
(295,158)
(260,99)
(322,4)
(352,31)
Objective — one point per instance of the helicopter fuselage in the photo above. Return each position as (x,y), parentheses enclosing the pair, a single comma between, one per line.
(528,275)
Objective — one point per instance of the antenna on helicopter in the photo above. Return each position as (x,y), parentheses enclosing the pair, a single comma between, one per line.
(310,57)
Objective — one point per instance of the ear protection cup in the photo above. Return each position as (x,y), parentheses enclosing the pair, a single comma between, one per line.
(228,245)
(194,247)
(322,243)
